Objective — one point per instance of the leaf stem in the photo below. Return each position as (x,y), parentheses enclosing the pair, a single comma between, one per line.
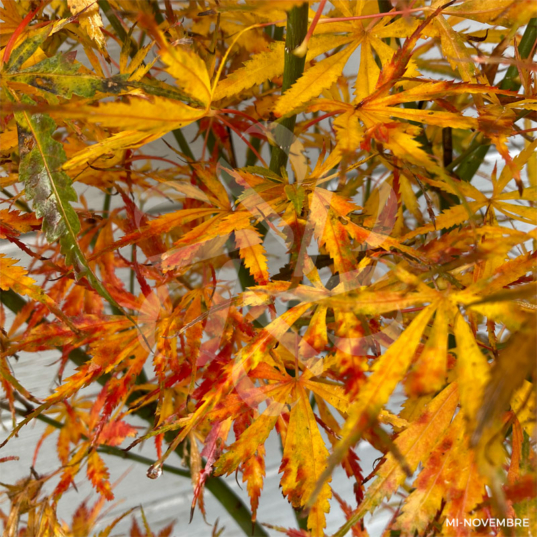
(183,144)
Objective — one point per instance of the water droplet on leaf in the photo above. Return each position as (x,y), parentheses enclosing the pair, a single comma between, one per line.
(154,471)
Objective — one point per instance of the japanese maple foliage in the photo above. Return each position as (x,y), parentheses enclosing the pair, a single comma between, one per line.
(349,213)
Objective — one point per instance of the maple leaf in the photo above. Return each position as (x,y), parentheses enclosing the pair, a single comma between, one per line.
(253,253)
(215,439)
(304,460)
(327,214)
(270,64)
(189,72)
(143,120)
(256,434)
(306,448)
(15,278)
(61,75)
(98,475)
(375,393)
(13,223)
(319,77)
(11,19)
(432,484)
(429,371)
(414,446)
(253,473)
(89,19)
(114,432)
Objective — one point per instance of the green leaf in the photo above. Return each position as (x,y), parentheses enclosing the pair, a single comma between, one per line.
(41,159)
(60,76)
(161,89)
(263,172)
(297,195)
(469,165)
(26,50)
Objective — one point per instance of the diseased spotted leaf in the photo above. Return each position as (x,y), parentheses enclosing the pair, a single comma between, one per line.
(26,49)
(45,183)
(61,76)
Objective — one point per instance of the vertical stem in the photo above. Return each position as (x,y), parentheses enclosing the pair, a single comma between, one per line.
(107,202)
(116,25)
(447,200)
(159,18)
(297,28)
(385,6)
(447,143)
(278,33)
(251,157)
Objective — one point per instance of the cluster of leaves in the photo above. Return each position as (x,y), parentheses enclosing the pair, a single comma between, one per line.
(409,264)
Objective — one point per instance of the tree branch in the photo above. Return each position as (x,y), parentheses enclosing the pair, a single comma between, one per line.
(297,28)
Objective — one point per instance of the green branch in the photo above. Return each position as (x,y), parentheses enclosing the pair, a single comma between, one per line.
(108,450)
(297,28)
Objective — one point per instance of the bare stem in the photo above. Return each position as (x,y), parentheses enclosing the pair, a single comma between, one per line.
(297,28)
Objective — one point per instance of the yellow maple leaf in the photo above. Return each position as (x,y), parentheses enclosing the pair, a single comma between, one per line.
(90,20)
